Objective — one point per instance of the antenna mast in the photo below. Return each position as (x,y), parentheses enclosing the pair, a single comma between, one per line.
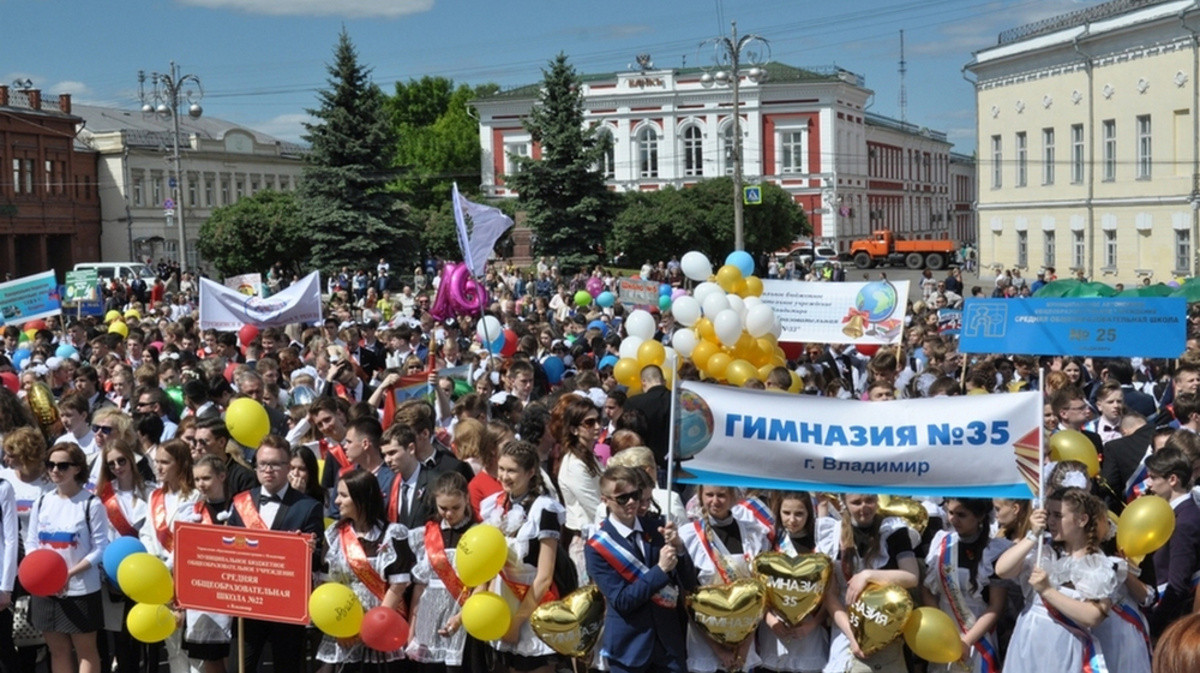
(903,87)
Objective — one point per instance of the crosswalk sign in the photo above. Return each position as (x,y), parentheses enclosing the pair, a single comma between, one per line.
(752,195)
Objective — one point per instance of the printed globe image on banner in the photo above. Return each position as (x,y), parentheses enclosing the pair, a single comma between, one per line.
(695,424)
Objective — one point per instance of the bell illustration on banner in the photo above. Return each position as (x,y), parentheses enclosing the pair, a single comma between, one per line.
(879,615)
(729,613)
(854,327)
(908,509)
(572,625)
(795,584)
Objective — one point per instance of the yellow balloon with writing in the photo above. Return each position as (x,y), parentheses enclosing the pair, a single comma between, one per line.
(878,616)
(480,554)
(335,610)
(729,613)
(1145,525)
(572,625)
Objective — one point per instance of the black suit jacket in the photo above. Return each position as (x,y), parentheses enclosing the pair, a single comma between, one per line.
(1174,565)
(1121,459)
(422,507)
(297,512)
(655,405)
(445,461)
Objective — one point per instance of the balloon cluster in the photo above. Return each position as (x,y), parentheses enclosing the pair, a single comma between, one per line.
(479,557)
(498,339)
(457,293)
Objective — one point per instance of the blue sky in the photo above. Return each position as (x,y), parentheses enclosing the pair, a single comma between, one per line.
(260,61)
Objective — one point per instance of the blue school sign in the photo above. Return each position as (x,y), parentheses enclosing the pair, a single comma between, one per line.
(1152,327)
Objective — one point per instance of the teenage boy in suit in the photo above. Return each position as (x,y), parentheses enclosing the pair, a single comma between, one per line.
(1170,475)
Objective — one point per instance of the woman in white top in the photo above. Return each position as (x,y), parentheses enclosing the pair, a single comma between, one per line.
(71,522)
(575,423)
(668,503)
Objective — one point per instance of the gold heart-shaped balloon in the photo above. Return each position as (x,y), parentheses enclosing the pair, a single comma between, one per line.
(910,510)
(729,613)
(795,584)
(878,616)
(571,626)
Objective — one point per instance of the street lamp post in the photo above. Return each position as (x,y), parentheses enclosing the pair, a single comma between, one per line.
(168,91)
(729,52)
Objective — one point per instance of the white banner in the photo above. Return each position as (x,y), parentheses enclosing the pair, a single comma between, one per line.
(249,284)
(983,446)
(839,313)
(227,310)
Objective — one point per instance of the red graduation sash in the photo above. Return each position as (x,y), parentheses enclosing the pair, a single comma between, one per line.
(339,455)
(158,517)
(116,516)
(244,505)
(435,549)
(203,513)
(519,590)
(357,559)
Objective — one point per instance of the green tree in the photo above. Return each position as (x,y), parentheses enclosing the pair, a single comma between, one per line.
(568,205)
(254,233)
(657,225)
(350,217)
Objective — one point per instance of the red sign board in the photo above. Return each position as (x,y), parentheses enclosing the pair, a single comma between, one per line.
(262,574)
(641,294)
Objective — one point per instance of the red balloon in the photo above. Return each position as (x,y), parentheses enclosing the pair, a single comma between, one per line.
(384,630)
(34,324)
(510,343)
(43,572)
(247,334)
(10,381)
(867,349)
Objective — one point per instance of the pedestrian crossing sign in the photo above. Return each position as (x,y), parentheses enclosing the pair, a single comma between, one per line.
(752,195)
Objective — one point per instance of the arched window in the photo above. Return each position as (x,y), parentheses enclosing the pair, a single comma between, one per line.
(727,149)
(608,162)
(693,151)
(647,143)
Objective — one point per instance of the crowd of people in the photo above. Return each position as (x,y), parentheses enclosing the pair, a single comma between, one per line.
(572,468)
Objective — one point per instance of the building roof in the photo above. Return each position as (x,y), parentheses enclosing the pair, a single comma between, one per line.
(147,130)
(776,72)
(1072,19)
(904,127)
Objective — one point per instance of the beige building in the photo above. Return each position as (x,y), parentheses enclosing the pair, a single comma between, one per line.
(1088,154)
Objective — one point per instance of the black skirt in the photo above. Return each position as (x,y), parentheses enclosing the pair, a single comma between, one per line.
(69,614)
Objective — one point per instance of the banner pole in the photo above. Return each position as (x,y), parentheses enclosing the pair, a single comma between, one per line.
(1041,466)
(242,644)
(676,384)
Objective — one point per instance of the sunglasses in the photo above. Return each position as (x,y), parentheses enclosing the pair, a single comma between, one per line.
(119,462)
(102,429)
(626,498)
(590,422)
(61,467)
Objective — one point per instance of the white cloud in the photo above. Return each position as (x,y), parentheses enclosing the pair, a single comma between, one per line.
(351,9)
(983,29)
(285,127)
(78,90)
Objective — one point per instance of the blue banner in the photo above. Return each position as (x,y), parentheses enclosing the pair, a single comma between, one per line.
(29,298)
(1151,327)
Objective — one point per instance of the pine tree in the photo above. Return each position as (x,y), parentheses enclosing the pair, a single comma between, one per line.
(567,203)
(348,214)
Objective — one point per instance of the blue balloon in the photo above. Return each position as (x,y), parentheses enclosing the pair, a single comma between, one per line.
(554,368)
(20,357)
(664,290)
(497,345)
(606,299)
(600,325)
(607,361)
(65,351)
(742,260)
(116,552)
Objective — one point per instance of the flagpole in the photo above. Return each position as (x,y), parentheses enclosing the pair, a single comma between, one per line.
(1041,466)
(675,388)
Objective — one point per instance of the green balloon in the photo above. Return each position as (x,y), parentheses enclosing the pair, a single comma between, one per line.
(664,302)
(582,298)
(176,395)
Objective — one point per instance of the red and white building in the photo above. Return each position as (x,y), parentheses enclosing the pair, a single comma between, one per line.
(805,130)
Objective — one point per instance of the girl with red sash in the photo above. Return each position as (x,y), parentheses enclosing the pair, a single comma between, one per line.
(370,556)
(721,547)
(175,496)
(437,637)
(960,580)
(126,499)
(207,635)
(804,647)
(1069,587)
(532,524)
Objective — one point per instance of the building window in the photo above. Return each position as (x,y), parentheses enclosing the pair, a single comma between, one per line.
(1110,249)
(514,149)
(1022,158)
(608,160)
(1183,249)
(1110,150)
(1077,249)
(1048,248)
(1077,153)
(49,176)
(191,192)
(138,197)
(792,145)
(29,176)
(997,163)
(693,151)
(1022,249)
(728,148)
(156,187)
(1143,147)
(224,192)
(240,189)
(1047,156)
(647,142)
(208,193)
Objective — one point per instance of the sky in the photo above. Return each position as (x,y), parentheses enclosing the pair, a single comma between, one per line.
(260,62)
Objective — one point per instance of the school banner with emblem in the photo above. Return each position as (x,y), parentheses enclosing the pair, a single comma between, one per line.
(839,313)
(223,308)
(980,446)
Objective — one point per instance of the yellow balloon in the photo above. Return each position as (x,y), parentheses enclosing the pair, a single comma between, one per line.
(1145,525)
(486,616)
(764,371)
(132,314)
(112,315)
(932,635)
(119,327)
(739,372)
(728,276)
(705,329)
(754,286)
(717,364)
(797,383)
(766,344)
(480,554)
(977,391)
(745,347)
(30,333)
(739,288)
(145,578)
(335,610)
(329,522)
(150,623)
(247,422)
(703,352)
(1074,445)
(651,352)
(626,371)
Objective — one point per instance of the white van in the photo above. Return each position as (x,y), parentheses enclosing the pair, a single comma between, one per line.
(124,270)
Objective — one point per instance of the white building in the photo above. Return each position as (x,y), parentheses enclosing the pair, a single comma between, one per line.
(221,162)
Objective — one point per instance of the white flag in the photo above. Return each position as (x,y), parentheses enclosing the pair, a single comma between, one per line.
(488,225)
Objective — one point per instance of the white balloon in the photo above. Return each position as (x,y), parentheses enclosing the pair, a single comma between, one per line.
(684,341)
(696,266)
(777,328)
(703,290)
(736,303)
(714,304)
(629,346)
(640,324)
(489,329)
(686,311)
(672,355)
(751,302)
(728,326)
(760,320)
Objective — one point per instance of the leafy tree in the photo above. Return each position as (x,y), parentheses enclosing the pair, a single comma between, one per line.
(254,233)
(568,205)
(657,225)
(350,218)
